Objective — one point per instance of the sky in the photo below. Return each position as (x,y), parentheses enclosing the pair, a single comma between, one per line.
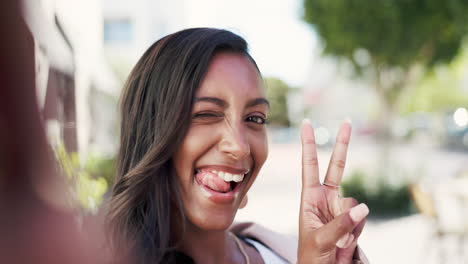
(282,45)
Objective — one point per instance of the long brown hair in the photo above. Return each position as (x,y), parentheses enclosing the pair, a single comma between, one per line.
(156,107)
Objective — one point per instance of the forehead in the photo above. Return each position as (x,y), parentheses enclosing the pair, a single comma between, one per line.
(231,74)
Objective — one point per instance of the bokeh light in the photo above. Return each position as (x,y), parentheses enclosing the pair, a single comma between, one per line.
(460,117)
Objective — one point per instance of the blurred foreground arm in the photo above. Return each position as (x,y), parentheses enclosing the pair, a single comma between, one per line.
(35,224)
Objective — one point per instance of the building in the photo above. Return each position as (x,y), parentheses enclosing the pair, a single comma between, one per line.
(131,27)
(74,82)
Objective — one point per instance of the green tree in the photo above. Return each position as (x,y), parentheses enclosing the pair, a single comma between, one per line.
(276,93)
(440,90)
(390,43)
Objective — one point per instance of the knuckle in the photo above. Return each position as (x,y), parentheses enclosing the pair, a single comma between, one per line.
(344,225)
(343,141)
(320,242)
(350,202)
(340,163)
(353,201)
(310,160)
(309,141)
(341,225)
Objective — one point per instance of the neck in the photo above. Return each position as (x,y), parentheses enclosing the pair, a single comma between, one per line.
(210,246)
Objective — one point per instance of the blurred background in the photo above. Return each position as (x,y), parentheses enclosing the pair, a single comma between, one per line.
(397,69)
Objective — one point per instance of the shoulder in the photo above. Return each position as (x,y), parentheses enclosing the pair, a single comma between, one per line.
(283,245)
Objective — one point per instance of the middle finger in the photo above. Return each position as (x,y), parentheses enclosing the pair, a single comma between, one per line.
(338,158)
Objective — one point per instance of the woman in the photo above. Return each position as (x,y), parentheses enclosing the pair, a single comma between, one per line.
(193,140)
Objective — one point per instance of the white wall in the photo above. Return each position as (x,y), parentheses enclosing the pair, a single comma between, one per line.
(150,20)
(82,23)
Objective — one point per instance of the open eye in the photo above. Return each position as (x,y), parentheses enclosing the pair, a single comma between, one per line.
(257,119)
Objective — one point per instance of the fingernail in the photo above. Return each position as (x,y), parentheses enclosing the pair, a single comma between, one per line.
(350,241)
(343,240)
(306,121)
(359,212)
(348,120)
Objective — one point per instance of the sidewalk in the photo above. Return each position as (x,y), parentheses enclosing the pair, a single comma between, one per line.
(408,240)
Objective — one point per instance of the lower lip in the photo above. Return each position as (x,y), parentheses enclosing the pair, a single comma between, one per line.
(222,198)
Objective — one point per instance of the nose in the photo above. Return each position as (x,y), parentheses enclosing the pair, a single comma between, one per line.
(234,142)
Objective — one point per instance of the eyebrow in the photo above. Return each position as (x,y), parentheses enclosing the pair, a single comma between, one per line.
(258,101)
(213,100)
(222,103)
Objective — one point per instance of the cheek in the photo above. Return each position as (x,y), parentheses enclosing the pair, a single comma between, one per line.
(259,148)
(198,141)
(195,143)
(182,161)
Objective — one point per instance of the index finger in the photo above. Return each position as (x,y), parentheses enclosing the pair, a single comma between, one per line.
(310,169)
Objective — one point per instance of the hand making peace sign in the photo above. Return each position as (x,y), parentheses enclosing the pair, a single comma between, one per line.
(329,225)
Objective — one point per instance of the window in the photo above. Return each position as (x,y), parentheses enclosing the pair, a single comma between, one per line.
(118,31)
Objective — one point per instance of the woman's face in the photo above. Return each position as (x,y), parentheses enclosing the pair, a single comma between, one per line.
(226,144)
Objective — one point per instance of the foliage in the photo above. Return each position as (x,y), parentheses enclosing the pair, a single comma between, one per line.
(99,166)
(383,199)
(88,189)
(391,43)
(395,33)
(276,93)
(440,90)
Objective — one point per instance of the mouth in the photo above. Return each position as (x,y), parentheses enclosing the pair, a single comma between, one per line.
(220,184)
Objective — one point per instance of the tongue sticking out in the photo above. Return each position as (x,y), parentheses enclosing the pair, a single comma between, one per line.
(213,182)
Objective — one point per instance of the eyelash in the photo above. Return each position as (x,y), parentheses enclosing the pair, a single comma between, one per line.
(256,119)
(206,115)
(260,119)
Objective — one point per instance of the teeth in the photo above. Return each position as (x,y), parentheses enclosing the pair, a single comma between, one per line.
(221,175)
(237,177)
(227,177)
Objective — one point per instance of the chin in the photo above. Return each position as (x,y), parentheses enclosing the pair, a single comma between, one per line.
(218,221)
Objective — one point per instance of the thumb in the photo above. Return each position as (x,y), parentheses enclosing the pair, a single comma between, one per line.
(331,233)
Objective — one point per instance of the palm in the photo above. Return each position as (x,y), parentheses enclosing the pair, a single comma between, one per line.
(320,206)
